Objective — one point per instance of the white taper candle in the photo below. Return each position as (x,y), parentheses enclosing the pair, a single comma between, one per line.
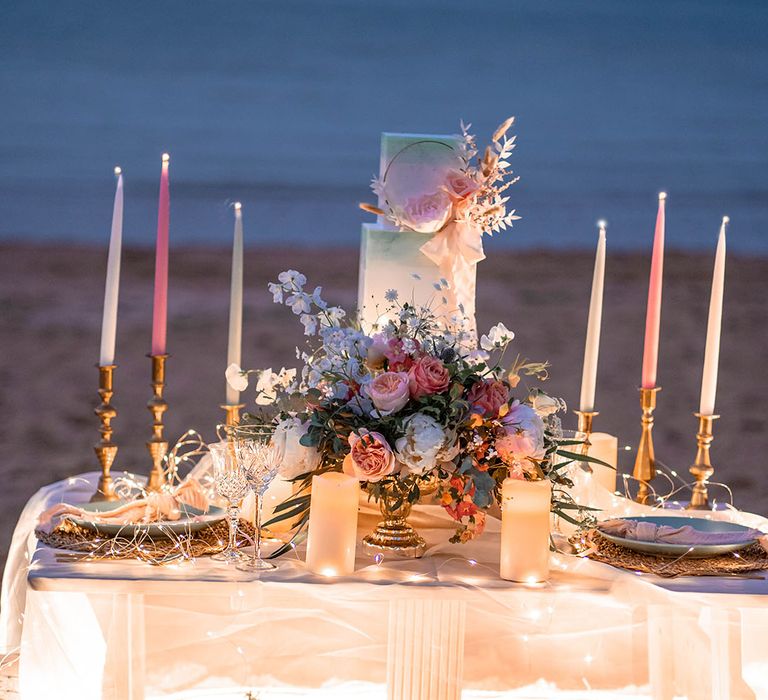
(712,350)
(234,346)
(592,347)
(112,287)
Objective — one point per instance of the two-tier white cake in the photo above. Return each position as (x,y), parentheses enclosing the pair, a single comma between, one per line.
(412,167)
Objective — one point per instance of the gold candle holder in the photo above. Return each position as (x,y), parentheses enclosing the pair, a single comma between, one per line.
(105,449)
(702,468)
(645,462)
(585,421)
(157,405)
(232,413)
(584,425)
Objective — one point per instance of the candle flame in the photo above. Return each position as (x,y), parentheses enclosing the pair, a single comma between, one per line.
(238,206)
(726,219)
(662,196)
(166,157)
(118,170)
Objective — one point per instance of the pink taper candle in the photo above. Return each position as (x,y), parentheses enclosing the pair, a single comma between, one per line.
(653,315)
(160,316)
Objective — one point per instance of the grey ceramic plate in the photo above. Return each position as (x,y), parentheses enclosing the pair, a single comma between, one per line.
(192,520)
(676,550)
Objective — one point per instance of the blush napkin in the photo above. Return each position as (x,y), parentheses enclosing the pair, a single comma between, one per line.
(152,508)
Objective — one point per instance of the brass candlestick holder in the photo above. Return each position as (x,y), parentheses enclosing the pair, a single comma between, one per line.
(232,413)
(584,425)
(585,419)
(105,449)
(645,462)
(157,405)
(702,468)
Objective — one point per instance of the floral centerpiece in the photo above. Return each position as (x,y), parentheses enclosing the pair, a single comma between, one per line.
(412,407)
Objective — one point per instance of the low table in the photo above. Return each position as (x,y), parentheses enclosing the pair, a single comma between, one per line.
(441,627)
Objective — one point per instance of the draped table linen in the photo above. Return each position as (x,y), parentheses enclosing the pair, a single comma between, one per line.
(441,627)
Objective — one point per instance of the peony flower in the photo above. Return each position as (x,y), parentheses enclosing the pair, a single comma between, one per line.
(488,396)
(522,417)
(428,376)
(459,186)
(522,436)
(297,459)
(516,446)
(389,391)
(497,337)
(428,213)
(371,458)
(236,378)
(423,446)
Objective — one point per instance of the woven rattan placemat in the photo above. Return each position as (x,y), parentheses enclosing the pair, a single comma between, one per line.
(597,547)
(209,540)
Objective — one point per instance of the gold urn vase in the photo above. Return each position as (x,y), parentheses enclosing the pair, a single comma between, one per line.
(394,536)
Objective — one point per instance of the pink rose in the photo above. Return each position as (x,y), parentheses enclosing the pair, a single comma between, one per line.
(389,391)
(428,376)
(459,186)
(428,213)
(487,397)
(371,458)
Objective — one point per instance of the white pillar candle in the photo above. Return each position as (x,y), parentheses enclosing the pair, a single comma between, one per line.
(604,447)
(234,345)
(279,490)
(712,350)
(112,287)
(525,530)
(592,347)
(332,524)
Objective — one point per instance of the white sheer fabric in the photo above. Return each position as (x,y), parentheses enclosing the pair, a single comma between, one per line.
(442,627)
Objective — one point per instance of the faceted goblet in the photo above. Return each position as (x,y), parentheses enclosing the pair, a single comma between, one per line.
(259,459)
(232,485)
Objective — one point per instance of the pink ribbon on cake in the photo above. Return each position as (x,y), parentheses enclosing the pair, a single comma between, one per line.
(456,250)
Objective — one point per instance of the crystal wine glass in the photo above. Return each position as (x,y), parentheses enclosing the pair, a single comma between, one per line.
(231,484)
(259,459)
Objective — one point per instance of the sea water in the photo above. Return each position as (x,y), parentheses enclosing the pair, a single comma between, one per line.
(280,105)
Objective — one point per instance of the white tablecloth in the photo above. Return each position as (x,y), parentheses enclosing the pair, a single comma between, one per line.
(436,628)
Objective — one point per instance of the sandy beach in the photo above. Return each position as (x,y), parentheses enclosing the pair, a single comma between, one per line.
(51,301)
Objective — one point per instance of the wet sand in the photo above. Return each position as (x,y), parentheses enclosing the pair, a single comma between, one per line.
(50,319)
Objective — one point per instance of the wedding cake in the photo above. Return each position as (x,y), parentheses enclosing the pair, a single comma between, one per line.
(411,167)
(435,201)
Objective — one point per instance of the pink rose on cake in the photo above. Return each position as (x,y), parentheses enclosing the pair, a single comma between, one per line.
(389,391)
(488,396)
(428,213)
(459,186)
(428,376)
(371,458)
